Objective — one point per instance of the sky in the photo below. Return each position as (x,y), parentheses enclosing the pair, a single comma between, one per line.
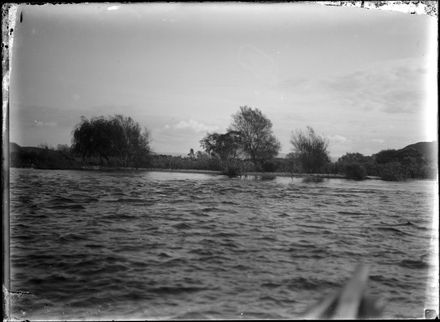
(364,79)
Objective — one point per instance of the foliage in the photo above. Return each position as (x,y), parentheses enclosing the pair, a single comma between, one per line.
(392,171)
(118,137)
(42,158)
(293,164)
(353,158)
(63,148)
(315,179)
(355,171)
(226,148)
(269,166)
(390,165)
(233,168)
(256,137)
(249,136)
(201,162)
(406,163)
(353,165)
(386,156)
(330,167)
(310,150)
(191,154)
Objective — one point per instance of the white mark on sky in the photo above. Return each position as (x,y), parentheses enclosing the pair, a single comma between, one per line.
(195,126)
(113,8)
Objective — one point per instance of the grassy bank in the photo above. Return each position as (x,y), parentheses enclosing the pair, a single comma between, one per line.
(391,165)
(263,175)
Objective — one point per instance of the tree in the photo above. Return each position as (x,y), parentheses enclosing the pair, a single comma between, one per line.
(356,165)
(225,147)
(113,137)
(310,149)
(201,155)
(352,158)
(191,154)
(255,131)
(355,170)
(133,144)
(386,156)
(63,148)
(402,164)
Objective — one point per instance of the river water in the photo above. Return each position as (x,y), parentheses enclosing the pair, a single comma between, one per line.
(158,245)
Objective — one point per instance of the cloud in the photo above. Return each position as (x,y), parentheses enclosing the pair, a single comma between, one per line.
(394,87)
(337,138)
(194,126)
(38,123)
(177,137)
(260,64)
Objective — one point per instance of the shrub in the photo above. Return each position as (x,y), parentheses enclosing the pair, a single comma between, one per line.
(270,166)
(312,179)
(311,150)
(392,171)
(232,171)
(355,171)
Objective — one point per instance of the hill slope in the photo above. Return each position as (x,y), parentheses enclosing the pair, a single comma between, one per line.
(427,149)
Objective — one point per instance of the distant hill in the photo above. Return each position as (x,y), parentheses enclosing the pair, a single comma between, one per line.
(428,149)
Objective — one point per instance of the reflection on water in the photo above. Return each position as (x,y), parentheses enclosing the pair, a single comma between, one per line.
(139,245)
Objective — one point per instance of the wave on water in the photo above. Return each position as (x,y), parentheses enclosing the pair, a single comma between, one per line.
(166,245)
(413,264)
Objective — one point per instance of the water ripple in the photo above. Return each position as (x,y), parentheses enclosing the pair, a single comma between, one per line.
(177,245)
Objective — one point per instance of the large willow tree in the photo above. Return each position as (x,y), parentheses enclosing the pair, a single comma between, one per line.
(117,137)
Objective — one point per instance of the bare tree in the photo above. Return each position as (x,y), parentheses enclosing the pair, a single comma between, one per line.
(310,149)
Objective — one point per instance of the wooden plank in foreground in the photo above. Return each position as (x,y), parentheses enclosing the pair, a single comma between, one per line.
(350,302)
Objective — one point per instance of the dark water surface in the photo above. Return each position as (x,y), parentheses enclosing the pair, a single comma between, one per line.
(87,245)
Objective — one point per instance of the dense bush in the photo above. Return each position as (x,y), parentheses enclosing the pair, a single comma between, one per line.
(309,179)
(270,166)
(392,171)
(117,137)
(177,162)
(42,158)
(232,171)
(407,163)
(311,150)
(355,171)
(349,161)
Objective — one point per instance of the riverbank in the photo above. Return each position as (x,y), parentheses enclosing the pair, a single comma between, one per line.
(263,175)
(405,164)
(256,174)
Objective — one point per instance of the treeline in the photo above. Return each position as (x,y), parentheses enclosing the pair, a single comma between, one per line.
(416,161)
(409,164)
(248,145)
(116,141)
(43,157)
